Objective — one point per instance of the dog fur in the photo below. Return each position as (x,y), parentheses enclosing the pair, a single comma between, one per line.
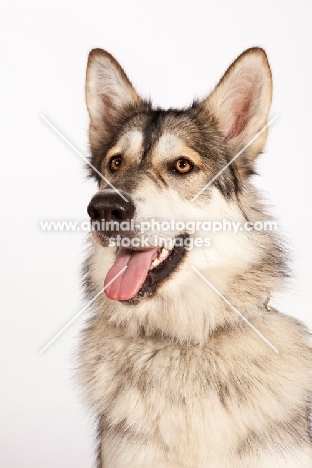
(178,379)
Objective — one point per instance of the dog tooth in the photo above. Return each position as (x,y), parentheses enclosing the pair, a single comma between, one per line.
(155,263)
(164,253)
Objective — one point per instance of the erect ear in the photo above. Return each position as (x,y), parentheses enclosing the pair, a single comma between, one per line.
(108,93)
(241,102)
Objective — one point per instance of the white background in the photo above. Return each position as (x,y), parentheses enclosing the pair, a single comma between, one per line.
(172,51)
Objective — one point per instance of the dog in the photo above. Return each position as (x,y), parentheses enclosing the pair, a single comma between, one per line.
(182,359)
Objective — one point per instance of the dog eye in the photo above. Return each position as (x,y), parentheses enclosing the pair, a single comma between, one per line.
(115,163)
(183,166)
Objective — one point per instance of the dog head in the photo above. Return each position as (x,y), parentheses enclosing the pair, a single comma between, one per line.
(184,165)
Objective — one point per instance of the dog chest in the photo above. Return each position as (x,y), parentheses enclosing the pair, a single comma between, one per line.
(170,394)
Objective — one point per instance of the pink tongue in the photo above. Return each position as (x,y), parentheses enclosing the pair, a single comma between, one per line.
(126,285)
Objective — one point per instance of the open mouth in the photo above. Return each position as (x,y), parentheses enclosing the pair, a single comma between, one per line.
(146,269)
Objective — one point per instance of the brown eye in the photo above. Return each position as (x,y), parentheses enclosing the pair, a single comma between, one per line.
(115,163)
(183,166)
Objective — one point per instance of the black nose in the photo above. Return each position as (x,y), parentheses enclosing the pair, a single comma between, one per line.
(110,207)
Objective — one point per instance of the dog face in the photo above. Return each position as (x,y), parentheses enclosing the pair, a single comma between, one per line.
(152,164)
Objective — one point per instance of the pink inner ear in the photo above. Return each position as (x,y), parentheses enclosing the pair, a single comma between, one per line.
(111,93)
(242,102)
(110,110)
(239,120)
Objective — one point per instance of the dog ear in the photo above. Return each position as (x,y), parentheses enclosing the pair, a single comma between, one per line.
(240,103)
(108,93)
